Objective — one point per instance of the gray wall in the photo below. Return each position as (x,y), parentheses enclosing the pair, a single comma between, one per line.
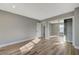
(15,27)
(76,28)
(47,30)
(54,29)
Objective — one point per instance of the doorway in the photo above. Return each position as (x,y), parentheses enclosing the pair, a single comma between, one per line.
(68,29)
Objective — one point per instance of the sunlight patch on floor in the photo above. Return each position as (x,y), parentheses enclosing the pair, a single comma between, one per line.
(26,48)
(36,40)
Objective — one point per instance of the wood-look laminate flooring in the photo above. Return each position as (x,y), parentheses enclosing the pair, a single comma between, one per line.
(52,46)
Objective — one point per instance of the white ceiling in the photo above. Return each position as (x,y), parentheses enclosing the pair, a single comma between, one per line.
(38,11)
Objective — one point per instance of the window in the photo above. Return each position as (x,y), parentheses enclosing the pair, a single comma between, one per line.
(61,26)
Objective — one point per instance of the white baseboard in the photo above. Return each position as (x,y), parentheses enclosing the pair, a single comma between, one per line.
(11,43)
(76,47)
(69,41)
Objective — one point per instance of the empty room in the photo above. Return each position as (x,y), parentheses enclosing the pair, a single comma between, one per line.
(39,28)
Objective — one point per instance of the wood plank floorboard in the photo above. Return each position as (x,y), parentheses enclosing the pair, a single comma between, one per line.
(52,46)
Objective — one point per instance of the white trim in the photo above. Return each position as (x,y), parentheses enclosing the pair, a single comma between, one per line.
(77,47)
(11,43)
